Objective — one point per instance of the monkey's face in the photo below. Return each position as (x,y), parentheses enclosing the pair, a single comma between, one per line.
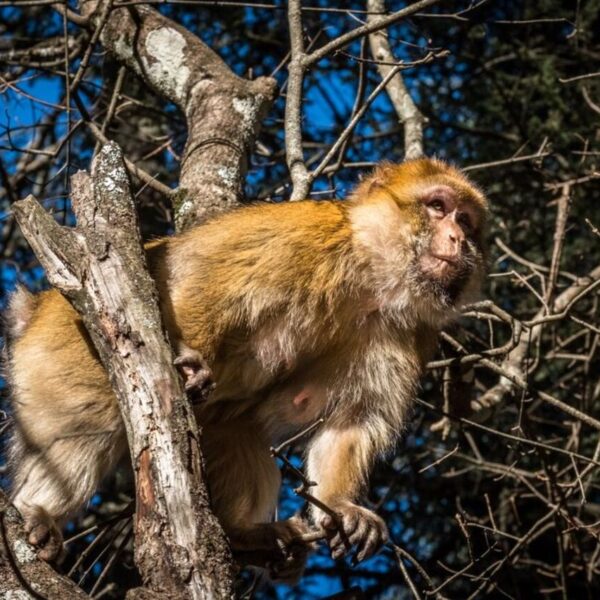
(421,225)
(450,252)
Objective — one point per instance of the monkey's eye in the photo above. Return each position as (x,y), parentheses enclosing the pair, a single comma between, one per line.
(437,206)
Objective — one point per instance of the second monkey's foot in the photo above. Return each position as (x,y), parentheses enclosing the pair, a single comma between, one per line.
(197,375)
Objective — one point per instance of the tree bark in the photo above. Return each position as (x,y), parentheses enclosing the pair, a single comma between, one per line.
(405,107)
(223,111)
(100,266)
(181,550)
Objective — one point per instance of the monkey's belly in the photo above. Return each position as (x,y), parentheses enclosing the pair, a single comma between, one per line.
(290,408)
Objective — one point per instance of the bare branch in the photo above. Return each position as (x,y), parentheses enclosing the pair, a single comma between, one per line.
(407,111)
(293,107)
(180,547)
(382,23)
(223,111)
(513,363)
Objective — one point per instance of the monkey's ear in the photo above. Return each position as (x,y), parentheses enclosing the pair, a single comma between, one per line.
(379,178)
(383,173)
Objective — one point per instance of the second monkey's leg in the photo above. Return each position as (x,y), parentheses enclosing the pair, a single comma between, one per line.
(244,483)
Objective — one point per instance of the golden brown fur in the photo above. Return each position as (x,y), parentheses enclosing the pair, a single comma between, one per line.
(303,310)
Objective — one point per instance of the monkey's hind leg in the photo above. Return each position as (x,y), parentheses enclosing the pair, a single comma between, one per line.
(53,480)
(68,431)
(244,484)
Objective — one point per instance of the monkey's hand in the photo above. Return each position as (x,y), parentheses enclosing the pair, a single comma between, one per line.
(196,373)
(42,533)
(354,527)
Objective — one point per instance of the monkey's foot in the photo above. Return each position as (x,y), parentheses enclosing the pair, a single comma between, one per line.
(42,533)
(290,567)
(196,373)
(294,550)
(276,547)
(354,527)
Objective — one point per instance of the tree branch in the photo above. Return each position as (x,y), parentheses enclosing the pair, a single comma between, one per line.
(181,549)
(380,23)
(407,111)
(223,111)
(299,174)
(513,363)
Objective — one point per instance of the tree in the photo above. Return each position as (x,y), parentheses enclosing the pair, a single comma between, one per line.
(493,490)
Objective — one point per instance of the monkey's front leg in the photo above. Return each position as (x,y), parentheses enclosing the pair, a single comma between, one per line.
(197,375)
(338,461)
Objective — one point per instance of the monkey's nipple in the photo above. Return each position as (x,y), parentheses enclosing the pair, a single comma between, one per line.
(301,400)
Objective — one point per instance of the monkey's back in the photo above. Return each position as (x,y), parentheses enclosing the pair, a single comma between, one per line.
(224,288)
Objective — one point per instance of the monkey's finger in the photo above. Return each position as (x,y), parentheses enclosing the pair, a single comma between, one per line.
(361,532)
(328,522)
(51,550)
(339,545)
(185,361)
(200,376)
(350,522)
(39,535)
(372,542)
(200,381)
(338,552)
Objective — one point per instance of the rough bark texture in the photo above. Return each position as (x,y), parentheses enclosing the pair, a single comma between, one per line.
(407,111)
(181,550)
(22,574)
(223,111)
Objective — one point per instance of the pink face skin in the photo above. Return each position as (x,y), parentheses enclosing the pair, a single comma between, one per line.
(452,223)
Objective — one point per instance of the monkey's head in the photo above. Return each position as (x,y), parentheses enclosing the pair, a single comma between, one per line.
(423,223)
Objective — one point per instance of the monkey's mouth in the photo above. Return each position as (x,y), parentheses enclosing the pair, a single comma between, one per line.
(453,260)
(440,266)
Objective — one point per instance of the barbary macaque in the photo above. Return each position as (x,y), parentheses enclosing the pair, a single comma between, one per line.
(301,310)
